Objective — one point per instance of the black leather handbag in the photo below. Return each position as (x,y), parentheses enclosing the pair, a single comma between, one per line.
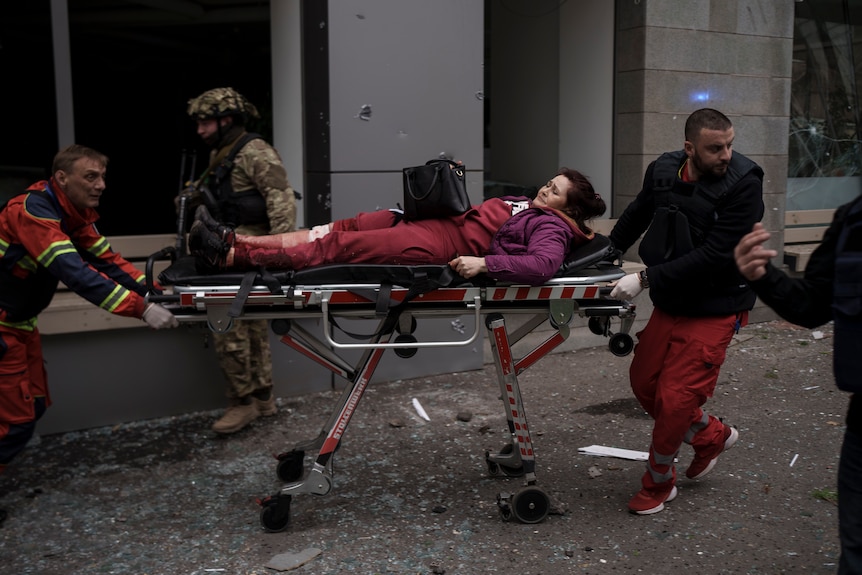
(436,190)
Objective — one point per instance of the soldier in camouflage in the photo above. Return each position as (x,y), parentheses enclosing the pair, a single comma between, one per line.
(246,185)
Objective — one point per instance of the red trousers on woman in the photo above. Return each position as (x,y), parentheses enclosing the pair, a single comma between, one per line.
(375,238)
(673,373)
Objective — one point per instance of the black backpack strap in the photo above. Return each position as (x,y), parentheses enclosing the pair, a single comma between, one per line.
(224,167)
(239,145)
(665,174)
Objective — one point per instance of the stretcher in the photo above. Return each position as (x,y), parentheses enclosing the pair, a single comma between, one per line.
(397,297)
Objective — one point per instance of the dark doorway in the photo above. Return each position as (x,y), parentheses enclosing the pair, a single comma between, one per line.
(134,67)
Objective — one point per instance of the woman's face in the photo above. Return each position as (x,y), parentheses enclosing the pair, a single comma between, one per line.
(554,194)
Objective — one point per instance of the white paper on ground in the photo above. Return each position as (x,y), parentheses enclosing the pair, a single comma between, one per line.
(419,410)
(289,561)
(603,451)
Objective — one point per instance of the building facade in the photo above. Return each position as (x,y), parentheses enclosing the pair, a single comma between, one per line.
(351,92)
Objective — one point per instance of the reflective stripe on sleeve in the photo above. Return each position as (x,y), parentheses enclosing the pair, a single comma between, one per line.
(99,247)
(117,296)
(55,250)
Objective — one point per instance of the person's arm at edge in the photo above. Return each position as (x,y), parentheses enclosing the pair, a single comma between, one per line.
(805,301)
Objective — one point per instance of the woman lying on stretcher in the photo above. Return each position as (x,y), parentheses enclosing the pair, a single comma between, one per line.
(510,238)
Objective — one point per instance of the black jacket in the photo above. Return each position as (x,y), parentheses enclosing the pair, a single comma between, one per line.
(703,281)
(807,301)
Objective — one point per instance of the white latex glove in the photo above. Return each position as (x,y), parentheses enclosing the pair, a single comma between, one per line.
(158,317)
(627,287)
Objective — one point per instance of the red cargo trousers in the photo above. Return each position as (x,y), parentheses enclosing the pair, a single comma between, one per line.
(23,387)
(673,373)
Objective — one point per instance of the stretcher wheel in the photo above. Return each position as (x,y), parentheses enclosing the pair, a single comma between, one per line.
(531,505)
(289,466)
(405,352)
(275,515)
(598,325)
(621,344)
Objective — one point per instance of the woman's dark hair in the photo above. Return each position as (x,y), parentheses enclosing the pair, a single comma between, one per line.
(582,203)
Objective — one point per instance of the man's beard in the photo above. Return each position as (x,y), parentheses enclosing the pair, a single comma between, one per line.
(713,171)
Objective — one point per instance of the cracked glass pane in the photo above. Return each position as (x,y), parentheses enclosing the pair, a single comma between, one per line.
(825,156)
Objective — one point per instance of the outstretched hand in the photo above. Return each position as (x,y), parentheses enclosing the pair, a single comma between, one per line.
(751,257)
(468,266)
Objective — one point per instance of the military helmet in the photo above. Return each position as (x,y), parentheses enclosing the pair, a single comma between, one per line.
(220,102)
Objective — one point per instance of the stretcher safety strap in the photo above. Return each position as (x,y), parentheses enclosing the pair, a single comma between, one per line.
(422,283)
(248,281)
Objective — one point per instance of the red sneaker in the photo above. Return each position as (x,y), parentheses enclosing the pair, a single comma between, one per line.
(704,462)
(648,501)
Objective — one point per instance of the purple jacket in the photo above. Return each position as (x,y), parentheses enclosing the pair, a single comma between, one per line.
(532,245)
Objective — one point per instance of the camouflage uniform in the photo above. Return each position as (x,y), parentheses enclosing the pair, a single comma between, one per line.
(244,352)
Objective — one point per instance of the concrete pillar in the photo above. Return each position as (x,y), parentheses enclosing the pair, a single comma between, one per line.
(675,56)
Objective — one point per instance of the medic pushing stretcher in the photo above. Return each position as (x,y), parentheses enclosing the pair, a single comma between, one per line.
(538,259)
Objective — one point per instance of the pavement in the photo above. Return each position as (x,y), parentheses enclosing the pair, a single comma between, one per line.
(411,496)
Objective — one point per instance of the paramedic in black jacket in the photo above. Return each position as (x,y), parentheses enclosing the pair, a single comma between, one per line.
(831,288)
(697,203)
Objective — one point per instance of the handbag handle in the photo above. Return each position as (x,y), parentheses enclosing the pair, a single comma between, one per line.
(410,176)
(433,183)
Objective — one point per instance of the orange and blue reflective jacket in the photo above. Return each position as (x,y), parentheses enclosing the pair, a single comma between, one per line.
(44,239)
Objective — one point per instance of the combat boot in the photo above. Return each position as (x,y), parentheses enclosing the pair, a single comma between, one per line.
(208,247)
(265,402)
(226,233)
(239,413)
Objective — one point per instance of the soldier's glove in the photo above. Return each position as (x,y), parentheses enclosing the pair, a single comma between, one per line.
(627,287)
(158,317)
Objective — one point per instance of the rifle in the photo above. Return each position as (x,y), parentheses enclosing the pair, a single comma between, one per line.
(182,206)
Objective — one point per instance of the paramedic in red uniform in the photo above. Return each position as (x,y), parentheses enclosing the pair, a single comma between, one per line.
(697,203)
(47,235)
(511,238)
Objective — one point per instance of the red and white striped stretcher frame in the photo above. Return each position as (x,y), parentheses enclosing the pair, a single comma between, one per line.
(220,302)
(560,298)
